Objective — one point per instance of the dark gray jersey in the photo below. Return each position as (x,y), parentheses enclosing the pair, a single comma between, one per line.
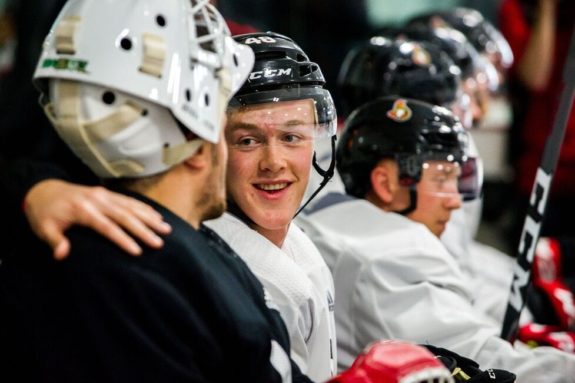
(190,312)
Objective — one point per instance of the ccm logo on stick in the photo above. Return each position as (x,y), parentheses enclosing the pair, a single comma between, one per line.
(529,237)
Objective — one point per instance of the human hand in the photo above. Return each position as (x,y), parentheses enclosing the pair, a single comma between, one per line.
(53,206)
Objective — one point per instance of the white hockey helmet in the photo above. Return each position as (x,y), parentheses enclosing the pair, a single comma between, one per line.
(126,81)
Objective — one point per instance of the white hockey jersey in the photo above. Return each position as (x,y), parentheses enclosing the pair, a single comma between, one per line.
(299,283)
(489,270)
(395,280)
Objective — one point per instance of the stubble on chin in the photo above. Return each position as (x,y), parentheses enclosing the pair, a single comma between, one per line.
(215,210)
(211,204)
(213,201)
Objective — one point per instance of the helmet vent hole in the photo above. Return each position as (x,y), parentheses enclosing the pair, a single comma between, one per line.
(300,58)
(207,99)
(161,20)
(188,95)
(126,44)
(305,70)
(108,97)
(236,62)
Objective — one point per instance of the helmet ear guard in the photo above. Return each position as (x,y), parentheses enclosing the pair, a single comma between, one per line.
(409,169)
(118,140)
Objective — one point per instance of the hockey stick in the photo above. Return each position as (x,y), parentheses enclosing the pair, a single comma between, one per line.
(538,201)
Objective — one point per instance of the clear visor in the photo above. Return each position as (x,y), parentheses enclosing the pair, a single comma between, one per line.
(461,108)
(449,179)
(324,113)
(289,124)
(440,178)
(471,179)
(498,46)
(487,74)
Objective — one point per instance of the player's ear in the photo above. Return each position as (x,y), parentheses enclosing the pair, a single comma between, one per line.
(384,181)
(201,157)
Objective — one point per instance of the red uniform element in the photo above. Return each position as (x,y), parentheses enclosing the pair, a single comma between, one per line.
(542,104)
(544,335)
(548,278)
(395,362)
(239,29)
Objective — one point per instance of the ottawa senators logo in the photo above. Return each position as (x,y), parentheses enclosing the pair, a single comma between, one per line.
(420,56)
(400,111)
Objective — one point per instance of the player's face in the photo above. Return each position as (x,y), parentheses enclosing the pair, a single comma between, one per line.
(270,154)
(437,195)
(478,97)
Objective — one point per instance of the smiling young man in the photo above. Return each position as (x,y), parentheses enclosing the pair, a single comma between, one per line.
(274,122)
(271,150)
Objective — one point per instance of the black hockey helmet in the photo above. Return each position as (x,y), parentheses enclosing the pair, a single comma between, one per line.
(399,67)
(492,52)
(283,72)
(451,41)
(484,37)
(409,131)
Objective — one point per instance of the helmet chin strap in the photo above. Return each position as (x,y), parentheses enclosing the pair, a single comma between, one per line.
(412,201)
(326,174)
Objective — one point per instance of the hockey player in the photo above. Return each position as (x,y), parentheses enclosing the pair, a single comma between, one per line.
(142,102)
(274,122)
(238,232)
(400,161)
(412,69)
(385,66)
(420,70)
(493,133)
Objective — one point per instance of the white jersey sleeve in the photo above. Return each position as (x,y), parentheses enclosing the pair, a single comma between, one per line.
(395,280)
(488,270)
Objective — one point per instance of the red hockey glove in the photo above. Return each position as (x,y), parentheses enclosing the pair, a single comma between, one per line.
(395,362)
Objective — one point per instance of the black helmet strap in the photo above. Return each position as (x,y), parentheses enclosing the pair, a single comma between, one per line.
(326,174)
(412,201)
(410,174)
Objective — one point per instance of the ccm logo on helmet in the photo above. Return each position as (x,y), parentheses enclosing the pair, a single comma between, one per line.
(267,73)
